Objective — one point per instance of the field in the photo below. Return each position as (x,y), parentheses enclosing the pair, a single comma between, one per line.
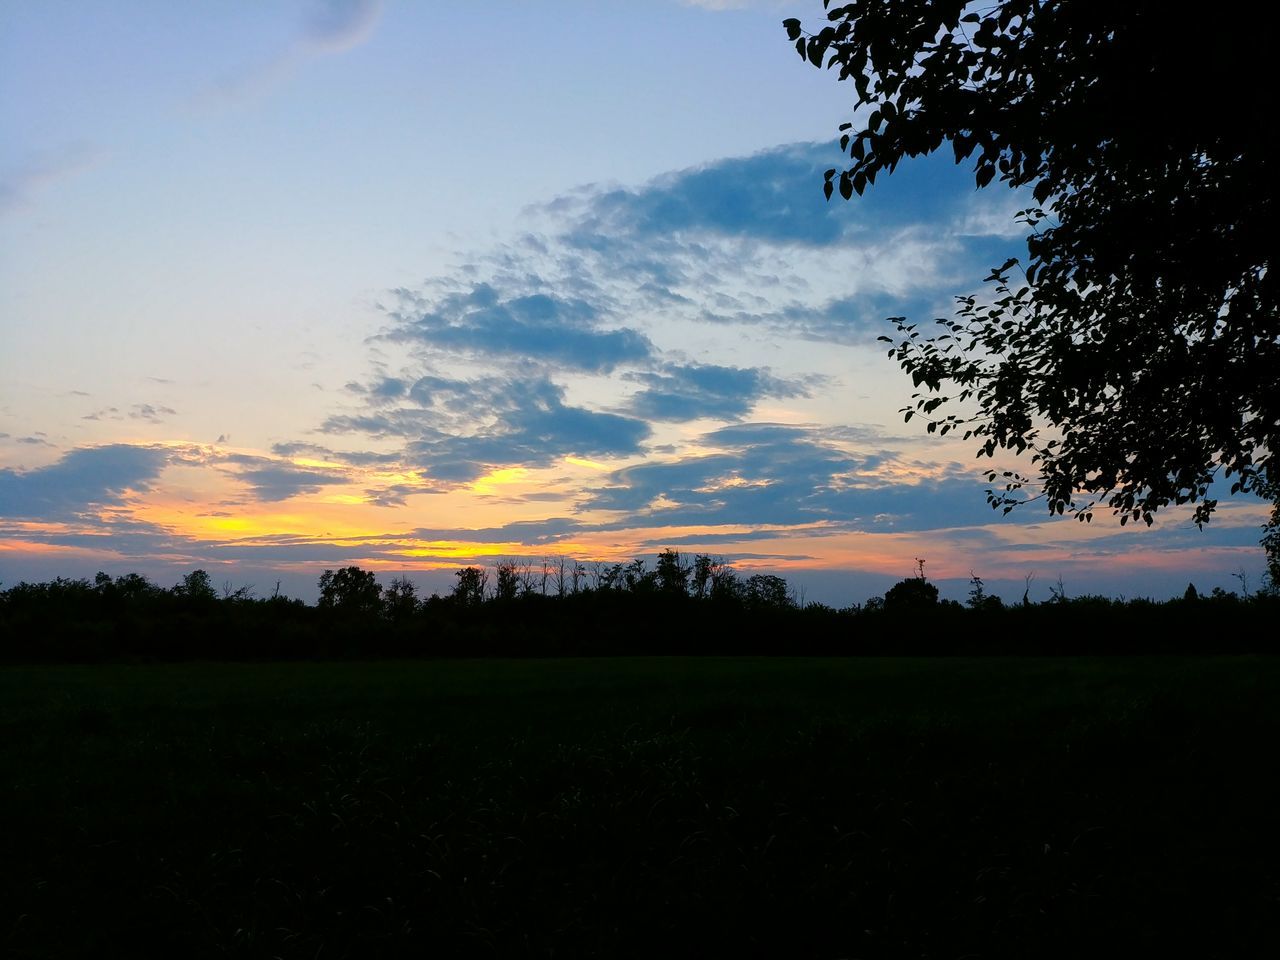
(820,808)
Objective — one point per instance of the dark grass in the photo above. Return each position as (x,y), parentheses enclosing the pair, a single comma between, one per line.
(625,807)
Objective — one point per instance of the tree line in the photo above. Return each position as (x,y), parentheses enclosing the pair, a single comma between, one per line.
(564,607)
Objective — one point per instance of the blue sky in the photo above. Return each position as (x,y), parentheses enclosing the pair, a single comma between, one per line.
(411,285)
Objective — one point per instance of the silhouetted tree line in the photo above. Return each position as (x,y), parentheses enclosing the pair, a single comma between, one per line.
(563,607)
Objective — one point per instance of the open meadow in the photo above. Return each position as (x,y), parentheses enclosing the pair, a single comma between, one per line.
(823,808)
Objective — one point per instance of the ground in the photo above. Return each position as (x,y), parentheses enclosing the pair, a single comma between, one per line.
(617,807)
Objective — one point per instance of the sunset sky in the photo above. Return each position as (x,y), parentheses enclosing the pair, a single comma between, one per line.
(291,285)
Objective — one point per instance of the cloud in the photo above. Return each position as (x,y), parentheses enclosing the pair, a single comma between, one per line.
(397,495)
(37,439)
(457,430)
(326,27)
(710,539)
(314,451)
(79,481)
(271,480)
(778,475)
(530,326)
(336,25)
(607,284)
(745,240)
(148,412)
(536,532)
(775,197)
(695,392)
(151,413)
(717,5)
(584,334)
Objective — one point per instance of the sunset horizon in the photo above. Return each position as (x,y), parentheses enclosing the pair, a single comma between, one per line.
(330,295)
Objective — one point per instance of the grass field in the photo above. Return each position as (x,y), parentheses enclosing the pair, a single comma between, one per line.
(626,807)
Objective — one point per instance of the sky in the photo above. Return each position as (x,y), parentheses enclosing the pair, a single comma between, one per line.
(294,285)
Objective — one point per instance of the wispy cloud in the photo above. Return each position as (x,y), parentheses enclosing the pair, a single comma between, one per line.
(326,27)
(335,25)
(21,184)
(147,412)
(152,413)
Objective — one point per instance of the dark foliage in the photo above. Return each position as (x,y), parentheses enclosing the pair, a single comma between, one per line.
(628,610)
(913,595)
(350,591)
(1135,355)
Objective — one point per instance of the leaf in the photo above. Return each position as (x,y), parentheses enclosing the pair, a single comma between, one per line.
(816,49)
(792,26)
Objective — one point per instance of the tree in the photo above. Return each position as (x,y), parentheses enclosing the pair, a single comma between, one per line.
(672,573)
(1135,355)
(1271,536)
(702,570)
(979,599)
(470,589)
(914,593)
(768,592)
(350,591)
(196,586)
(400,599)
(507,580)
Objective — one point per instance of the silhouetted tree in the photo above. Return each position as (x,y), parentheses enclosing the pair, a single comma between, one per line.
(725,583)
(912,594)
(470,588)
(506,580)
(350,590)
(672,573)
(400,599)
(766,591)
(637,578)
(979,599)
(196,587)
(701,575)
(1137,355)
(1271,536)
(564,572)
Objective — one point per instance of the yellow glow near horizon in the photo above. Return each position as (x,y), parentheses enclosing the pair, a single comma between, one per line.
(208,503)
(501,477)
(584,462)
(313,464)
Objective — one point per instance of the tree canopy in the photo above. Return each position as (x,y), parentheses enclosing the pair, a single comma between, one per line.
(1134,354)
